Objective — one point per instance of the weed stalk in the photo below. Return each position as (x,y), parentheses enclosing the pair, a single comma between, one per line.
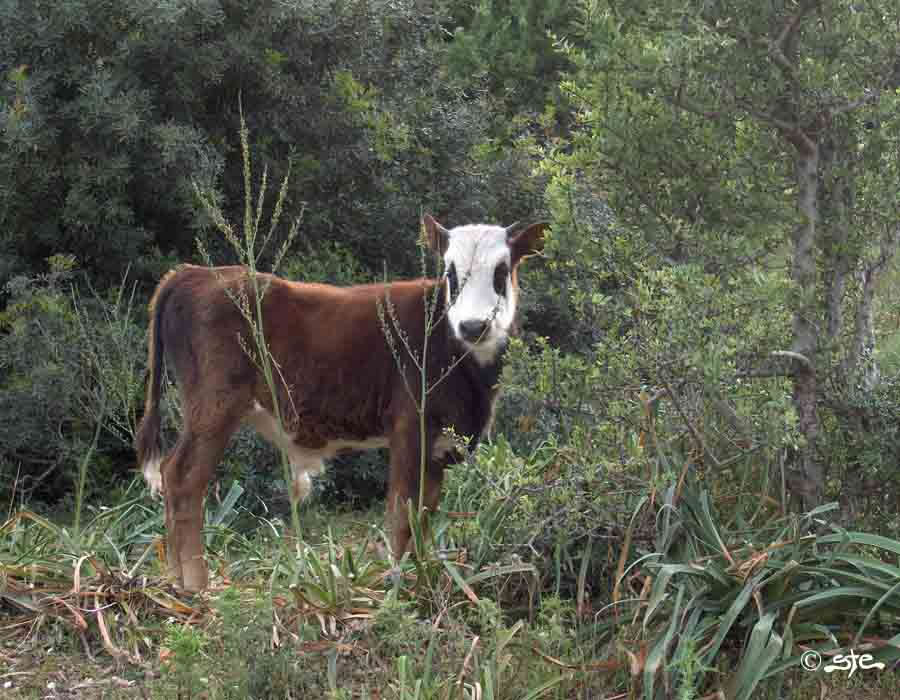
(252,310)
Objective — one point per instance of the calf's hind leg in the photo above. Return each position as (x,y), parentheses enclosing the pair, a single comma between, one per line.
(186,474)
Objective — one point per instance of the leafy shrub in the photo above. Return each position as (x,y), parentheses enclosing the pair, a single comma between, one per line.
(70,362)
(547,509)
(863,449)
(102,132)
(330,263)
(735,608)
(38,391)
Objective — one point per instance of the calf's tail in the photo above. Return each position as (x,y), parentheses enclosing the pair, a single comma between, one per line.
(147,442)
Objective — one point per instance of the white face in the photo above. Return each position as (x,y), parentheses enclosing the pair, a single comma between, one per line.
(477,266)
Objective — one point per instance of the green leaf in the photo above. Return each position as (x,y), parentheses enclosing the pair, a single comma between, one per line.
(226,507)
(761,652)
(658,653)
(863,538)
(734,611)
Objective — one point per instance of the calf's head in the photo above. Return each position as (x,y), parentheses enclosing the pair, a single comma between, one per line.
(480,264)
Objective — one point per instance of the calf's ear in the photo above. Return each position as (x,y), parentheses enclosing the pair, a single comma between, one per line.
(436,236)
(528,242)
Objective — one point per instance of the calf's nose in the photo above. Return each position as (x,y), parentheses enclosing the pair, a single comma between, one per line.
(472,330)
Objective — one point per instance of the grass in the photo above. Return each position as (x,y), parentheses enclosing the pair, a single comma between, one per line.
(99,608)
(93,617)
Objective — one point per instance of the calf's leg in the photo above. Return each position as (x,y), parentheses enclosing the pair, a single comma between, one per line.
(403,480)
(405,444)
(186,474)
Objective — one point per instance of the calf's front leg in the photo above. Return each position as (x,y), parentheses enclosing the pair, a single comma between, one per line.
(403,486)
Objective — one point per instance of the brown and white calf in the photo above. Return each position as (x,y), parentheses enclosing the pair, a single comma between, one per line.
(343,389)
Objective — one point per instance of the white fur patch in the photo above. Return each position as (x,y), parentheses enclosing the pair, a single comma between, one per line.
(153,475)
(475,251)
(305,462)
(301,487)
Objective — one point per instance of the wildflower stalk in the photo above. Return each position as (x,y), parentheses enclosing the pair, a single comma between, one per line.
(251,305)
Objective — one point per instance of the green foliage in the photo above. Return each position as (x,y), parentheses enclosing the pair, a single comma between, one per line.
(692,123)
(187,646)
(330,263)
(547,392)
(242,663)
(91,161)
(397,627)
(38,313)
(345,580)
(864,449)
(529,522)
(389,138)
(722,607)
(70,366)
(509,47)
(110,112)
(776,589)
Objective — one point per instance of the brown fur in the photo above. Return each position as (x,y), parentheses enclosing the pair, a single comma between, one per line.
(342,378)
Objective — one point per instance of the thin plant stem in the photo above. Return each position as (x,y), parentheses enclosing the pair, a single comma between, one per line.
(82,467)
(258,351)
(390,327)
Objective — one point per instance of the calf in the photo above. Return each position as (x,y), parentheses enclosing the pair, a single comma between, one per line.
(339,386)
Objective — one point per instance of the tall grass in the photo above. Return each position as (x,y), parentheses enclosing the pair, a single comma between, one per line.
(249,249)
(732,609)
(724,611)
(111,373)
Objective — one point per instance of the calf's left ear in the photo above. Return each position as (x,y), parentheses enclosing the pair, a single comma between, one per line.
(436,236)
(528,242)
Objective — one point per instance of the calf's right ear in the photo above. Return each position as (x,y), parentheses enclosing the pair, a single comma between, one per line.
(436,236)
(527,243)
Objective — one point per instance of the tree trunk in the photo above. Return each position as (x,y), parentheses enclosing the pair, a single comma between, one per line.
(810,486)
(860,366)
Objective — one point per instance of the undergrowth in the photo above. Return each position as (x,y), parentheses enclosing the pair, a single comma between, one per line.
(699,611)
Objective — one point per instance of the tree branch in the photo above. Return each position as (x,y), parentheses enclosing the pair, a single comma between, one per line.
(868,98)
(799,357)
(690,426)
(765,373)
(779,48)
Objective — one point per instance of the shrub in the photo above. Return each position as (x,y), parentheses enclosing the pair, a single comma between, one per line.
(70,362)
(734,608)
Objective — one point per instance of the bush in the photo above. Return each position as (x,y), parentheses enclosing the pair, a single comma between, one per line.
(103,131)
(69,363)
(551,509)
(767,591)
(862,450)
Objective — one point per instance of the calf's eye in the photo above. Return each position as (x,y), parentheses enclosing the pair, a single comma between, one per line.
(452,279)
(501,274)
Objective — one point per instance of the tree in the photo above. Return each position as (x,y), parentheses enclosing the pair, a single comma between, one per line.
(738,137)
(507,46)
(109,111)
